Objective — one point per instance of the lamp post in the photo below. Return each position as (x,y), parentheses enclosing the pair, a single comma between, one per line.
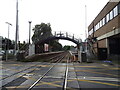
(7,42)
(29,30)
(16,33)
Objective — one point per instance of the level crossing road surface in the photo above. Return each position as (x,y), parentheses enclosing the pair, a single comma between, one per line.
(70,76)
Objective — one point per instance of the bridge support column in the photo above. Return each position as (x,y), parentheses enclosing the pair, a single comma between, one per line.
(79,54)
(31,49)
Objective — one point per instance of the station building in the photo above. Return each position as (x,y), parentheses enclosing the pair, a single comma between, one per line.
(104,32)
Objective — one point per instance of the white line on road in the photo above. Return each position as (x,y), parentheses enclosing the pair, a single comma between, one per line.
(99,78)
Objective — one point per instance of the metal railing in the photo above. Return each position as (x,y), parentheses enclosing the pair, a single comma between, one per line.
(66,35)
(91,47)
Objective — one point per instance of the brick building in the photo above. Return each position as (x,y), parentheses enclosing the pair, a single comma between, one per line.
(104,32)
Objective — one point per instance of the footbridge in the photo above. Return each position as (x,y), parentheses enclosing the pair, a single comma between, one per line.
(61,35)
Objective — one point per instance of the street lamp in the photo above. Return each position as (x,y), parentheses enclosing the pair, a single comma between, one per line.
(29,30)
(16,33)
(7,49)
(9,24)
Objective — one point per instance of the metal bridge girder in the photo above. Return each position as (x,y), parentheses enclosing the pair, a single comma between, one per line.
(61,35)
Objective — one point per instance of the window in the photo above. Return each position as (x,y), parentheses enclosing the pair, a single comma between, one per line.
(103,21)
(91,31)
(98,25)
(95,28)
(107,17)
(115,11)
(111,15)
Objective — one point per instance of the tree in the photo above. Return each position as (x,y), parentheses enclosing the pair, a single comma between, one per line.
(42,32)
(23,46)
(56,46)
(66,47)
(7,43)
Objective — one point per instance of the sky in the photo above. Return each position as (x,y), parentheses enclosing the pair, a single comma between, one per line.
(63,15)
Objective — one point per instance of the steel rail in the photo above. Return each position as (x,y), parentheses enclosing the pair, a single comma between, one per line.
(26,69)
(55,57)
(58,57)
(66,74)
(20,71)
(39,79)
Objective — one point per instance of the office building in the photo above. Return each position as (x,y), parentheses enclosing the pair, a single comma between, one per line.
(104,32)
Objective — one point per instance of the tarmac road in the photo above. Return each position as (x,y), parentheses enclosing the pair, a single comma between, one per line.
(81,76)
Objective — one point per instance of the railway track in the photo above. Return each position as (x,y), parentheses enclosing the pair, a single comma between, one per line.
(38,80)
(55,60)
(61,74)
(65,77)
(23,72)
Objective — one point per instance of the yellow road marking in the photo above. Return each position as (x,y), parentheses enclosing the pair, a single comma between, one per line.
(4,67)
(56,81)
(29,78)
(64,66)
(10,87)
(13,69)
(85,66)
(115,68)
(22,86)
(41,83)
(56,85)
(16,64)
(44,65)
(1,77)
(99,82)
(38,69)
(32,69)
(105,65)
(48,83)
(96,72)
(94,82)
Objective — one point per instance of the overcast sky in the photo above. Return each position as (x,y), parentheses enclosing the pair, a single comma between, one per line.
(63,15)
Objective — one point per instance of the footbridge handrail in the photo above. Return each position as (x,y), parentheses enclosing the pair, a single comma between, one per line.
(66,35)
